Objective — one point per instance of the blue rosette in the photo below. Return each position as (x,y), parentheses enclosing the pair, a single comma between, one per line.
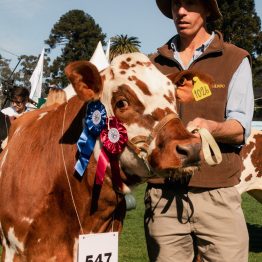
(95,122)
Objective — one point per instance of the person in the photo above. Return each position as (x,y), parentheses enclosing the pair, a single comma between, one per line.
(19,97)
(201,214)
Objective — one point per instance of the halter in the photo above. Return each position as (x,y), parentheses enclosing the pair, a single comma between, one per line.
(140,144)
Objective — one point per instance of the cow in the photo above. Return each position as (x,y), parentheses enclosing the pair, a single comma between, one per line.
(44,203)
(4,127)
(251,176)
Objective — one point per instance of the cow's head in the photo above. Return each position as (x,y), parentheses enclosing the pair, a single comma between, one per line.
(142,98)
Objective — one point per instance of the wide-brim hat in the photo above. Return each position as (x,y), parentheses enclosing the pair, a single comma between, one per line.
(166,8)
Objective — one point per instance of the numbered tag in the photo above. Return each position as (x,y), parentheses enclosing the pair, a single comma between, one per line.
(101,247)
(200,90)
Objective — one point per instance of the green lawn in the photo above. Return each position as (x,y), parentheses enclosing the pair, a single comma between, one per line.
(132,246)
(132,241)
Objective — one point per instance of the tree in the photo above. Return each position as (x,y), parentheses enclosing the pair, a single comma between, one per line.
(240,25)
(5,71)
(122,44)
(27,67)
(77,34)
(21,76)
(7,78)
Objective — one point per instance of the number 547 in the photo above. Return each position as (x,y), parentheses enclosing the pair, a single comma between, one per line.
(100,258)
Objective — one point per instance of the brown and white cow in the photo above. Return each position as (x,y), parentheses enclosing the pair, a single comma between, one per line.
(251,176)
(44,206)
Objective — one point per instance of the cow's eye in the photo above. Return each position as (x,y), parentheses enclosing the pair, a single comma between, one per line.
(121,104)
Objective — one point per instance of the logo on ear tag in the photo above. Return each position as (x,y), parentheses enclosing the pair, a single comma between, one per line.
(200,90)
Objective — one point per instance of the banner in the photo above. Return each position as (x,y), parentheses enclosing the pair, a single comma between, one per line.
(108,50)
(99,58)
(36,79)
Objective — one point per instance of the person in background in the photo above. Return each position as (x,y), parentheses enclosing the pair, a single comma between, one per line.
(202,214)
(19,98)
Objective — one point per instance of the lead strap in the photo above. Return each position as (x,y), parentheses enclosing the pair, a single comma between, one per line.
(208,144)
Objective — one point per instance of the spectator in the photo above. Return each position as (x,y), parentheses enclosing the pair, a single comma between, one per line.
(19,98)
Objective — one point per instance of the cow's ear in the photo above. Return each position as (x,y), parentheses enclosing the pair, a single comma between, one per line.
(85,79)
(184,84)
(180,77)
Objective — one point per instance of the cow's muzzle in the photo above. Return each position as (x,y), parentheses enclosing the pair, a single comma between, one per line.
(189,154)
(140,145)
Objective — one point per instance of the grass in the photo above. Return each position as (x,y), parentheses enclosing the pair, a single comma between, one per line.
(132,246)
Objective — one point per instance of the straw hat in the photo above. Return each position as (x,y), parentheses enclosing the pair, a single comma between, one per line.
(165,8)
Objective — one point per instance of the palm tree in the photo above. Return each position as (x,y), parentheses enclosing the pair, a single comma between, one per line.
(122,44)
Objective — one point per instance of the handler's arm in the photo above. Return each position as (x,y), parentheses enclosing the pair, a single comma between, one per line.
(229,132)
(239,111)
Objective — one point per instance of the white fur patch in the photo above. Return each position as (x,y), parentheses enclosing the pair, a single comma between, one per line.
(28,220)
(4,143)
(75,251)
(14,246)
(158,84)
(42,115)
(254,182)
(3,161)
(69,91)
(17,130)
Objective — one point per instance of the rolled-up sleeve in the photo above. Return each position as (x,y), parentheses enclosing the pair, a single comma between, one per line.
(240,104)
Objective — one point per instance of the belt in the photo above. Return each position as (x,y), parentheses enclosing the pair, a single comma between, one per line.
(174,184)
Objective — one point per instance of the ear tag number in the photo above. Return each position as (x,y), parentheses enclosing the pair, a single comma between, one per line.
(200,90)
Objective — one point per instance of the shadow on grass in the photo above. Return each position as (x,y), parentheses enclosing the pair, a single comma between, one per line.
(255,236)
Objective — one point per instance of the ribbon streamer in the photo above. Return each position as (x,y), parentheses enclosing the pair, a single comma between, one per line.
(94,123)
(114,138)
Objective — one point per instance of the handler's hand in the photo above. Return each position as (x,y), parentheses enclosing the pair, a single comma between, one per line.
(198,122)
(229,131)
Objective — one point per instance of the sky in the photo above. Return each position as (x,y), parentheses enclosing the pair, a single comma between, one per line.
(26,24)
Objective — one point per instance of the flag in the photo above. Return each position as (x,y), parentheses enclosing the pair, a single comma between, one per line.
(37,78)
(99,58)
(108,49)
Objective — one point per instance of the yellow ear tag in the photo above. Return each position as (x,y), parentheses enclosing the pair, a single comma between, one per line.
(200,90)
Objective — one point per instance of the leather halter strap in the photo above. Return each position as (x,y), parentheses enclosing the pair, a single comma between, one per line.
(145,141)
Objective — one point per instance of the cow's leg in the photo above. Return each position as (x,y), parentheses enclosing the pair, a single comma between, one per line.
(257,194)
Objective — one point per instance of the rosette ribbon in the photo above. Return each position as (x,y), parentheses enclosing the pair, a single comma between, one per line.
(114,138)
(95,121)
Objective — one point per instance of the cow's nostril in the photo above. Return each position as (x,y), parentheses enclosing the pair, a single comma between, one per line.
(183,150)
(189,152)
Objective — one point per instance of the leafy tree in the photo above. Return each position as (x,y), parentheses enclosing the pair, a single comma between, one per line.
(240,25)
(27,67)
(77,35)
(6,78)
(257,82)
(5,70)
(122,44)
(21,76)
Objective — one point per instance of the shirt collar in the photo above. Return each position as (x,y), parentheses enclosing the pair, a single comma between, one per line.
(198,52)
